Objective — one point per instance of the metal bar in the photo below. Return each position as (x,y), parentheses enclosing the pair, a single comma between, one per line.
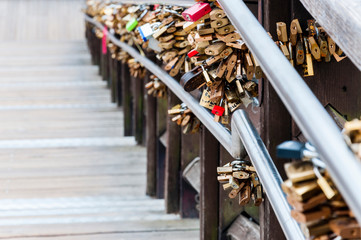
(267,172)
(304,107)
(222,134)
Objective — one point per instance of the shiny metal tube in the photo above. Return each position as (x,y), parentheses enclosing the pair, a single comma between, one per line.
(222,134)
(267,172)
(302,104)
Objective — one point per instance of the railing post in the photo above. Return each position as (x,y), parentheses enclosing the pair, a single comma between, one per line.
(138,109)
(162,108)
(172,160)
(127,100)
(118,65)
(209,202)
(151,142)
(113,79)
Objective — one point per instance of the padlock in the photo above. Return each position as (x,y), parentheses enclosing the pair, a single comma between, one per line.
(282,31)
(196,12)
(311,27)
(245,195)
(308,67)
(317,214)
(134,21)
(147,30)
(296,150)
(225,117)
(325,186)
(300,171)
(315,49)
(218,110)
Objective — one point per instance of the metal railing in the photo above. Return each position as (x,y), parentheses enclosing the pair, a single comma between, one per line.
(306,110)
(244,133)
(304,107)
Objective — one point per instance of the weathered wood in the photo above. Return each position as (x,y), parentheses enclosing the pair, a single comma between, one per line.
(44,20)
(65,163)
(273,130)
(118,65)
(172,160)
(209,202)
(189,151)
(342,21)
(162,108)
(151,137)
(150,235)
(242,228)
(113,79)
(229,209)
(342,79)
(138,109)
(127,100)
(105,67)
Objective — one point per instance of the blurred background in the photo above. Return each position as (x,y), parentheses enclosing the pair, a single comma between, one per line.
(30,20)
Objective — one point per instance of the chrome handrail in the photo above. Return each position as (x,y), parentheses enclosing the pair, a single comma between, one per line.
(306,110)
(244,132)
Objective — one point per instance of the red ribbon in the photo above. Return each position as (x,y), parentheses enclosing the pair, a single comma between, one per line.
(104,40)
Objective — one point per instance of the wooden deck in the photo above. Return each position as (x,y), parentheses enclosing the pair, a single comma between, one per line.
(66,170)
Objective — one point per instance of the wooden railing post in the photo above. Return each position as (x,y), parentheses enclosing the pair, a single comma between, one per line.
(151,142)
(209,201)
(189,151)
(118,65)
(172,160)
(127,100)
(138,109)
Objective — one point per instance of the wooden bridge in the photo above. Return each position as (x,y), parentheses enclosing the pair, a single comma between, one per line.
(66,170)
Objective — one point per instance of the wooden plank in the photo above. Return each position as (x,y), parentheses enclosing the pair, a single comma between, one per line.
(32,20)
(172,160)
(342,21)
(97,227)
(81,187)
(159,235)
(242,228)
(188,195)
(209,198)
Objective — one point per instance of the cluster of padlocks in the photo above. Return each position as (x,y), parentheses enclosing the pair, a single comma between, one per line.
(241,178)
(184,117)
(317,204)
(316,44)
(200,47)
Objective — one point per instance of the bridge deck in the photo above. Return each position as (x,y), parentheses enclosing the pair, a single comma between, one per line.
(66,170)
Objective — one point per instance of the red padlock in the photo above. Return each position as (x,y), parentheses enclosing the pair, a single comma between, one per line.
(218,110)
(192,53)
(197,11)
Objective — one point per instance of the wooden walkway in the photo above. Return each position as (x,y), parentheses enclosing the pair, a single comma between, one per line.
(66,170)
